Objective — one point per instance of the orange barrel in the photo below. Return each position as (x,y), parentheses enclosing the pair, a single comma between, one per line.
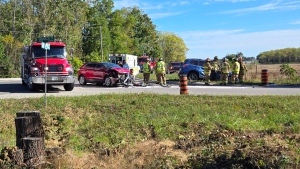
(264,77)
(183,84)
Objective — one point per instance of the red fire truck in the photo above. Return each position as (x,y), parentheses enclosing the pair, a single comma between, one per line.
(46,59)
(142,60)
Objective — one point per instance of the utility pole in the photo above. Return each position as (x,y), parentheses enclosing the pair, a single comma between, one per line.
(101,43)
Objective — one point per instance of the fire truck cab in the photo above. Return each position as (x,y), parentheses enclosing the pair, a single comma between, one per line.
(45,62)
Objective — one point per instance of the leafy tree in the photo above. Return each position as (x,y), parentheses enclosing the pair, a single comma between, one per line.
(287,70)
(173,47)
(143,33)
(96,29)
(119,34)
(76,63)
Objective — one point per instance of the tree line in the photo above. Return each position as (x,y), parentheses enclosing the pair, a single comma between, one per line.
(94,30)
(287,55)
(91,27)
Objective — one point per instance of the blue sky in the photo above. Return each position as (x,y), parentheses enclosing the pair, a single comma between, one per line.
(221,27)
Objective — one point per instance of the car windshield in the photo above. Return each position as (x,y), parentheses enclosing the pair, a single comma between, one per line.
(111,65)
(54,52)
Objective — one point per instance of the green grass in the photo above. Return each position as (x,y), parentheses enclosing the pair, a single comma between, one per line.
(205,126)
(117,119)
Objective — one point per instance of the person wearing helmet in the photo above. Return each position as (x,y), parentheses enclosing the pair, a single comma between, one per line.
(207,69)
(160,70)
(243,70)
(215,69)
(225,67)
(235,71)
(146,72)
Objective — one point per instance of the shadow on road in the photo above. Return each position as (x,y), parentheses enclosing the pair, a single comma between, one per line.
(19,88)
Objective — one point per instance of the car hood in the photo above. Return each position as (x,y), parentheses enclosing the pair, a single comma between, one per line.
(120,70)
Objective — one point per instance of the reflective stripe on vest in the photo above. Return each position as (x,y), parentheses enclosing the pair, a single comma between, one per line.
(225,68)
(206,68)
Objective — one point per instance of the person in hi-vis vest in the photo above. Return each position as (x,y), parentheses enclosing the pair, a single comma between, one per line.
(160,70)
(146,72)
(207,70)
(235,71)
(225,68)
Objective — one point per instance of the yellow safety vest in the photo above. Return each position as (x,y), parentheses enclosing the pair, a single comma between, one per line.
(160,67)
(236,67)
(146,68)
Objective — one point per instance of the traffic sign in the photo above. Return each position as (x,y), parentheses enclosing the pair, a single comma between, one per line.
(46,46)
(46,39)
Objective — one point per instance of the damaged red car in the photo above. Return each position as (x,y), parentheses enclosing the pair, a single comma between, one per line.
(102,73)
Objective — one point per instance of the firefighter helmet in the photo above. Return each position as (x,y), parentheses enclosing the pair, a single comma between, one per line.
(225,60)
(216,58)
(160,59)
(207,60)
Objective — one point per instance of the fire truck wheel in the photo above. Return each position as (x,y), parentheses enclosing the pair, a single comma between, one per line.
(82,80)
(31,85)
(69,86)
(108,82)
(23,83)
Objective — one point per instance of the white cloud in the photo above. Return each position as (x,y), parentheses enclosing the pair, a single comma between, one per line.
(266,7)
(295,23)
(204,44)
(125,3)
(163,15)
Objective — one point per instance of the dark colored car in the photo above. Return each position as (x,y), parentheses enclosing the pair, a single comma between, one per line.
(174,67)
(193,69)
(102,73)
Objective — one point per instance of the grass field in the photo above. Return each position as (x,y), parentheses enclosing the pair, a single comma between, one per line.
(274,76)
(253,75)
(163,131)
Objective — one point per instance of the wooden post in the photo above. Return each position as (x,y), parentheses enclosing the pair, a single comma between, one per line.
(28,124)
(34,150)
(30,137)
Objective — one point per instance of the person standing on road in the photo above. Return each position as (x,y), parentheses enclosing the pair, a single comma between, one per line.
(215,68)
(160,70)
(125,65)
(225,67)
(146,72)
(243,70)
(207,69)
(128,79)
(235,71)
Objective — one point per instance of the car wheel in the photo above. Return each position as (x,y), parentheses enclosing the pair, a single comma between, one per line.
(193,76)
(108,82)
(82,80)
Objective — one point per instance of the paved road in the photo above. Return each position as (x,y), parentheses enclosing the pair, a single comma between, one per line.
(12,88)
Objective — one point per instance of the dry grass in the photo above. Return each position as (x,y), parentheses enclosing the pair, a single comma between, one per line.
(254,71)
